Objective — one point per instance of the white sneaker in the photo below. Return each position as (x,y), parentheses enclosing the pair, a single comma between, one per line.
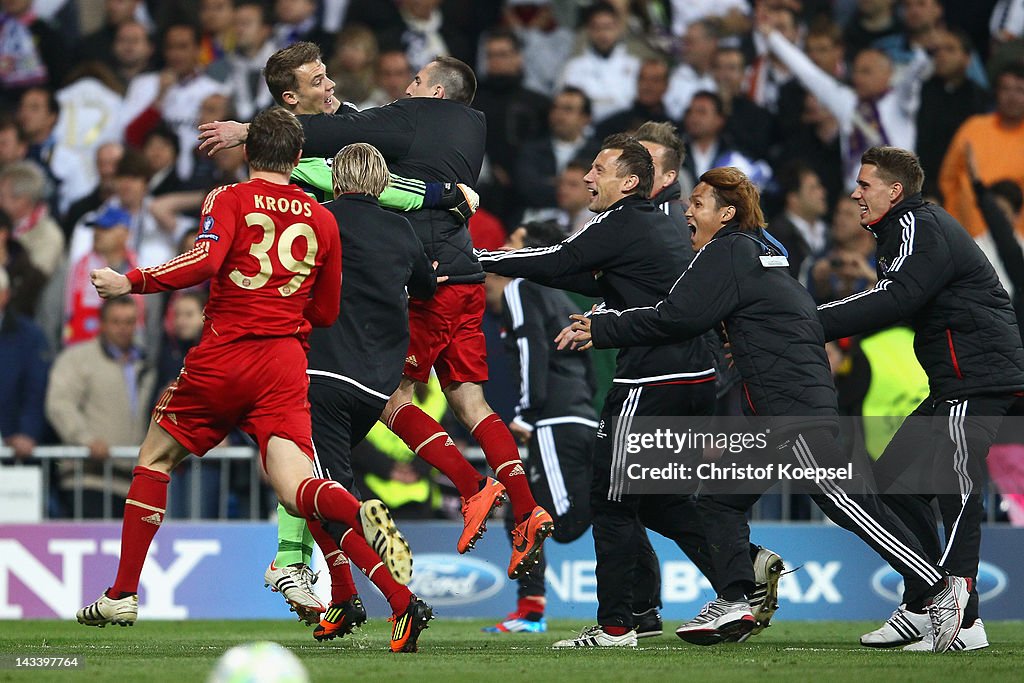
(386,540)
(594,636)
(973,638)
(122,612)
(902,628)
(764,601)
(720,620)
(295,584)
(946,611)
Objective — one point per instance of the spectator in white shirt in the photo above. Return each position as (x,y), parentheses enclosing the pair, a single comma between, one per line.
(875,110)
(606,71)
(694,74)
(183,87)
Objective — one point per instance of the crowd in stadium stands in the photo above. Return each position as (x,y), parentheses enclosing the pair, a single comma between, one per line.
(100,103)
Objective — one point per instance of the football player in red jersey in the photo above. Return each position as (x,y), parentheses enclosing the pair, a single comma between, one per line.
(273,256)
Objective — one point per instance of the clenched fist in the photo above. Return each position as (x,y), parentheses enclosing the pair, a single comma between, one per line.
(109,283)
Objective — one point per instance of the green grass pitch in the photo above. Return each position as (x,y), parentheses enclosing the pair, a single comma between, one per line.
(455,650)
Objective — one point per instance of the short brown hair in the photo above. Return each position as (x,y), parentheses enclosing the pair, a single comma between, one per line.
(456,76)
(359,167)
(664,133)
(275,141)
(896,165)
(634,159)
(279,73)
(732,187)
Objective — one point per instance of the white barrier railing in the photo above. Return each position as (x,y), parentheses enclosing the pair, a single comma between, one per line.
(228,455)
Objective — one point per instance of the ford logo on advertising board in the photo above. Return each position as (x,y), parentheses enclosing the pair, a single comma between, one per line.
(454,580)
(888,584)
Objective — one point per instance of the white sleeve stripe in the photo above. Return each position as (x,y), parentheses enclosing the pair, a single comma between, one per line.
(514,299)
(491,256)
(655,306)
(593,221)
(909,223)
(881,286)
(527,252)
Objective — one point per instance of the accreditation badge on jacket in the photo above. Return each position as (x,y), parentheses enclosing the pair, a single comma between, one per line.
(774,261)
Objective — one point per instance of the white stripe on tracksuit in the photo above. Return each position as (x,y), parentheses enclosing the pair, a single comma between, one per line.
(957,415)
(880,286)
(515,309)
(552,469)
(528,252)
(620,440)
(909,224)
(565,420)
(862,519)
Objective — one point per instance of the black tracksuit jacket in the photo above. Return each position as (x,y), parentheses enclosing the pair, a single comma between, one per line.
(777,342)
(552,383)
(420,137)
(629,255)
(364,350)
(933,277)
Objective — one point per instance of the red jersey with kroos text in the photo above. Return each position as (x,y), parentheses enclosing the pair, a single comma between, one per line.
(273,256)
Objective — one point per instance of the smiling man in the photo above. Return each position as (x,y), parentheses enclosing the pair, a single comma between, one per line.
(629,254)
(932,275)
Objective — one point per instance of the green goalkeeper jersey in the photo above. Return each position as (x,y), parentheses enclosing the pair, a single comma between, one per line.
(313,174)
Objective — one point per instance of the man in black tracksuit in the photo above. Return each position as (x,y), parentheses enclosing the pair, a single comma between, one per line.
(628,254)
(933,276)
(355,364)
(740,279)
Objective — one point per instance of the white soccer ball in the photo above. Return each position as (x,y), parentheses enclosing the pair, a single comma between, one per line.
(262,662)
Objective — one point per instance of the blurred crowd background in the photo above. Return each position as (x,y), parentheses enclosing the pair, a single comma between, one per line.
(100,100)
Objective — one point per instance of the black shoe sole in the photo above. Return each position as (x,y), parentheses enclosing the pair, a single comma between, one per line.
(728,633)
(418,625)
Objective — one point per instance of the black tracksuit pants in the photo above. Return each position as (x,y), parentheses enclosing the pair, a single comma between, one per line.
(939,454)
(855,508)
(340,421)
(559,467)
(626,562)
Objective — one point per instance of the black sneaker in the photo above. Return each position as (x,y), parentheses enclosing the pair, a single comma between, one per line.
(647,623)
(409,624)
(340,619)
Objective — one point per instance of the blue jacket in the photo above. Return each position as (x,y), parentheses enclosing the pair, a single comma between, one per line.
(24,357)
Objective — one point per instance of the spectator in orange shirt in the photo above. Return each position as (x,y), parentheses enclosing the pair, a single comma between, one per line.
(996,139)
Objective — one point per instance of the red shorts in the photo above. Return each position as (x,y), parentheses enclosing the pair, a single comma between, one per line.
(259,386)
(445,334)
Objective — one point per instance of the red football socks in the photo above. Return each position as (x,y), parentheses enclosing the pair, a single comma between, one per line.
(369,563)
(144,511)
(342,585)
(531,604)
(327,500)
(428,439)
(503,456)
